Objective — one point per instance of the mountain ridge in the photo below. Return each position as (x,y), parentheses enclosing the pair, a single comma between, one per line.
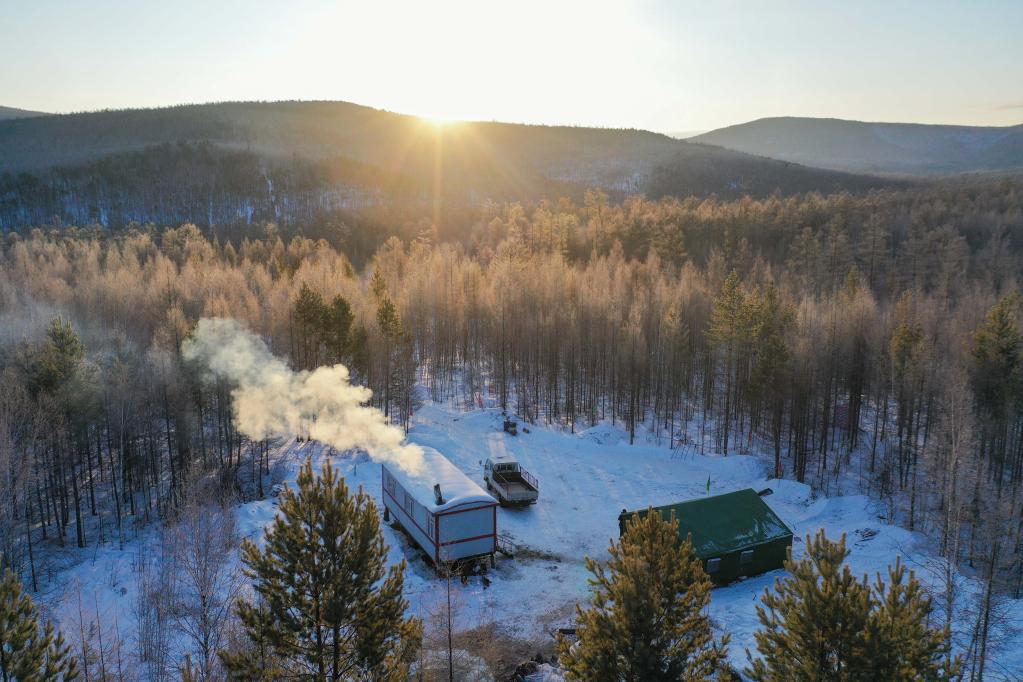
(10,113)
(476,160)
(876,146)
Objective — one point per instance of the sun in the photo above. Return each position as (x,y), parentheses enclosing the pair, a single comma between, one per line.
(437,121)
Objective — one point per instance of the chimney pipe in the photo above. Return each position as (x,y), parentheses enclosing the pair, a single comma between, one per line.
(436,494)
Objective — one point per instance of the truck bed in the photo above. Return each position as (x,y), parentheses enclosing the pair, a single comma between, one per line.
(514,482)
(515,488)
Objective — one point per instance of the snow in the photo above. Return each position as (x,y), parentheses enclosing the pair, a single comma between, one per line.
(586,479)
(503,458)
(456,488)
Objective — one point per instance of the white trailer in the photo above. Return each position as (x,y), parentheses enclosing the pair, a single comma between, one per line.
(441,509)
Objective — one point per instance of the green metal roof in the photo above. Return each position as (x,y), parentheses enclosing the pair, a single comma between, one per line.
(722,523)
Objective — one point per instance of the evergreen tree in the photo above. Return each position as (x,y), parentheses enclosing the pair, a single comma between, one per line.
(398,368)
(29,650)
(772,320)
(822,624)
(337,332)
(326,607)
(730,331)
(813,623)
(54,363)
(901,645)
(997,378)
(388,319)
(998,360)
(669,242)
(647,622)
(311,315)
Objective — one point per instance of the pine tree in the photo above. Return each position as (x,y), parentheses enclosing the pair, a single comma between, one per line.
(772,320)
(998,360)
(670,243)
(388,319)
(55,362)
(901,645)
(29,650)
(326,606)
(730,330)
(822,624)
(337,334)
(311,315)
(647,622)
(813,623)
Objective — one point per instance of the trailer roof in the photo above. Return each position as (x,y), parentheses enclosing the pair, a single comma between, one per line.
(456,487)
(723,523)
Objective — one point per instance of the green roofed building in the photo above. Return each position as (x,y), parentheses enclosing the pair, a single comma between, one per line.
(734,534)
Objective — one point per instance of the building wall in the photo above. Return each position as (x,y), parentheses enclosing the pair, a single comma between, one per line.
(467,533)
(766,557)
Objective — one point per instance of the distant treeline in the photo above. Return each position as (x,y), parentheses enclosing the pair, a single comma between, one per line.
(225,188)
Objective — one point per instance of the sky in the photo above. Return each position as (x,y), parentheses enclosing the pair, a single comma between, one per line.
(665,66)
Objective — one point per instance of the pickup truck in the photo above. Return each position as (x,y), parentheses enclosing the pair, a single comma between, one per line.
(512,484)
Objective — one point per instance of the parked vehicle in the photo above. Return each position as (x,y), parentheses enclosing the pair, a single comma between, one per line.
(512,484)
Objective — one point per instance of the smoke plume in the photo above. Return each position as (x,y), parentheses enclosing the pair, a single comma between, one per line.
(271,399)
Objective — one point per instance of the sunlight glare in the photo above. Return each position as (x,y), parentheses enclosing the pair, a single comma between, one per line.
(437,121)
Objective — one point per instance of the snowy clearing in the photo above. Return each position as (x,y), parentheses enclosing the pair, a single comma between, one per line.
(586,479)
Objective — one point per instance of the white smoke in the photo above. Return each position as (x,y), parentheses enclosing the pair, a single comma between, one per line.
(271,399)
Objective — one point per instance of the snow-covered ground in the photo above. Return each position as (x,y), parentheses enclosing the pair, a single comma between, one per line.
(586,479)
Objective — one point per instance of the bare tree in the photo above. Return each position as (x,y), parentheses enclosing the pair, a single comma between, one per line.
(205,546)
(153,610)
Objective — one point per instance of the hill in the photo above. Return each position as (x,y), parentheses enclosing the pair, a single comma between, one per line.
(7,113)
(862,147)
(324,144)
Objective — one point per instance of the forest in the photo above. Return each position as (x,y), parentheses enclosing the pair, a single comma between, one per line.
(307,164)
(872,336)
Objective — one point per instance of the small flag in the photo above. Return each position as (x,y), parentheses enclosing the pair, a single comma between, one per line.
(708,484)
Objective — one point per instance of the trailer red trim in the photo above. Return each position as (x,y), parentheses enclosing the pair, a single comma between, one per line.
(478,537)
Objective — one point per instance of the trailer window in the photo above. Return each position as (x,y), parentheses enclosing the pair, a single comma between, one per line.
(746,557)
(713,564)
